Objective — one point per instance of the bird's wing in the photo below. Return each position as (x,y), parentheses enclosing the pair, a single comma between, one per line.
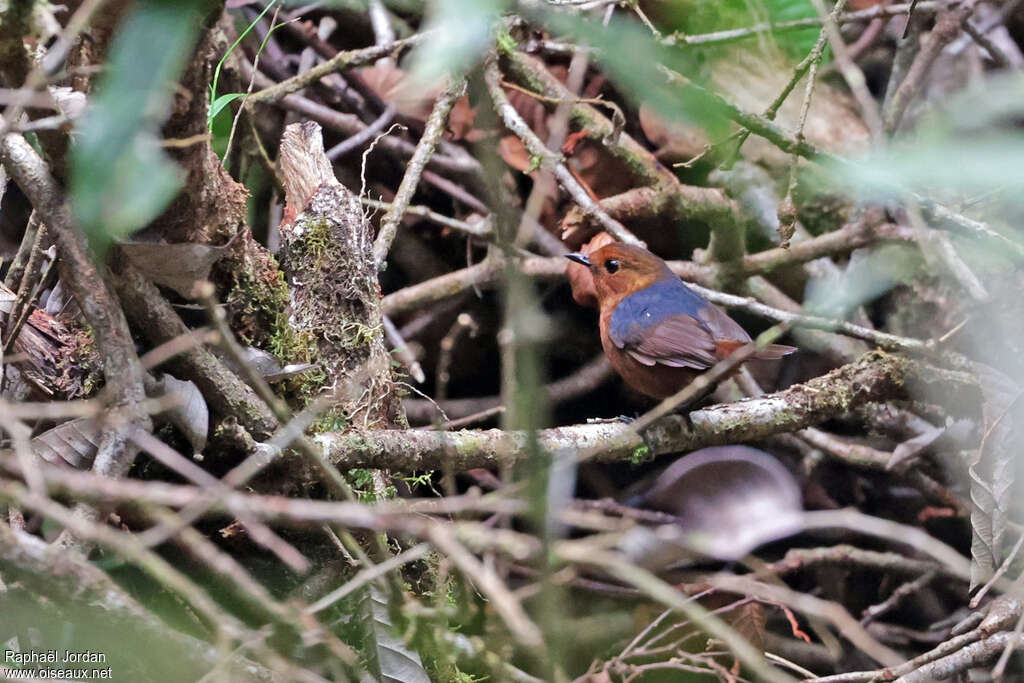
(678,341)
(729,336)
(722,327)
(669,324)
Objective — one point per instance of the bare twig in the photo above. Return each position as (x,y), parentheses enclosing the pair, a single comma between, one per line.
(65,576)
(407,188)
(514,122)
(584,553)
(503,601)
(341,61)
(810,604)
(947,27)
(732,35)
(902,591)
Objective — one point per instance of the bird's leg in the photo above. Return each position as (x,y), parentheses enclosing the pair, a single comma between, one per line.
(686,407)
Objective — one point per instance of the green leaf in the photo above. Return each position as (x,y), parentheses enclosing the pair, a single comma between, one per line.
(709,17)
(220,103)
(212,114)
(796,43)
(120,176)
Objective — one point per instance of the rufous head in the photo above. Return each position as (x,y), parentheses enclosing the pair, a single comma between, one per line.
(620,269)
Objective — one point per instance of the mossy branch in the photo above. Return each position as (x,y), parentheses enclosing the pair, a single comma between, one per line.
(874,377)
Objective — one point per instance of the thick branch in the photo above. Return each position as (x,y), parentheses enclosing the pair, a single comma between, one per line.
(874,377)
(227,394)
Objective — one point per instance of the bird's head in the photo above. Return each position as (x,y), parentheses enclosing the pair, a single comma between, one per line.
(619,269)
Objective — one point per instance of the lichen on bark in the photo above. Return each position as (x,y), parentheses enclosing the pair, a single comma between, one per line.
(334,294)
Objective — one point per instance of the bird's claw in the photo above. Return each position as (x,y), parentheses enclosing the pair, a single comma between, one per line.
(625,419)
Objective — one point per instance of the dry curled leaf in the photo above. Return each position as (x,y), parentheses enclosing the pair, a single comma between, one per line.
(413,99)
(513,151)
(175,266)
(749,621)
(73,443)
(267,365)
(991,473)
(190,413)
(394,86)
(7,298)
(390,657)
(728,500)
(674,141)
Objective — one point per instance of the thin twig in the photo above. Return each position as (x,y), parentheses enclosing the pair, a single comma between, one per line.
(536,147)
(407,188)
(340,62)
(732,35)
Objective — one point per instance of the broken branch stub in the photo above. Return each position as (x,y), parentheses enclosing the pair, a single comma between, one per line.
(326,255)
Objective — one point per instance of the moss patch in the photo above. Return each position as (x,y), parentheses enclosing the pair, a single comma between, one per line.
(257,299)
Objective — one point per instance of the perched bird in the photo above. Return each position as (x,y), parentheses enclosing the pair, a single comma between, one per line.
(658,333)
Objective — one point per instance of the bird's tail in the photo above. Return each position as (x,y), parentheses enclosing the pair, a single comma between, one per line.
(769,352)
(774,351)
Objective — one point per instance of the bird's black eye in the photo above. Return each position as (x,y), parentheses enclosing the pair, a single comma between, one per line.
(611,265)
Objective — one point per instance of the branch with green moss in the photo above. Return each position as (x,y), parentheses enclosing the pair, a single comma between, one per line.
(327,257)
(874,377)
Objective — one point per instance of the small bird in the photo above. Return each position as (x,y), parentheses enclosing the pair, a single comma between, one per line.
(658,333)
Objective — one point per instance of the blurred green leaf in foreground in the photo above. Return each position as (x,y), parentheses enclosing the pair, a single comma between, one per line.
(120,176)
(464,29)
(974,146)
